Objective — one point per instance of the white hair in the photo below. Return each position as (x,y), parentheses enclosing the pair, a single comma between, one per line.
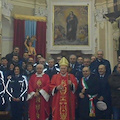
(40,65)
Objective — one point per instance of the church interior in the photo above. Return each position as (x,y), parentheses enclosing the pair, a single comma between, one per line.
(102,20)
(47,30)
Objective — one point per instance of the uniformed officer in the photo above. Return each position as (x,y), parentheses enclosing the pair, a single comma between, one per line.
(2,92)
(17,89)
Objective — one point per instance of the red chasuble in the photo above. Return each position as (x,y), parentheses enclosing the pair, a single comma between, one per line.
(63,102)
(39,107)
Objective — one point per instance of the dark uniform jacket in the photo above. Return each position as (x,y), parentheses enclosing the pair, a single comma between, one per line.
(114,82)
(17,87)
(94,66)
(2,90)
(51,72)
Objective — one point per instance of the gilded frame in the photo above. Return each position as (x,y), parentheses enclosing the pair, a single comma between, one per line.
(74,6)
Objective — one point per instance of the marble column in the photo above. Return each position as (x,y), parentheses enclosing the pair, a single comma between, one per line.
(109,49)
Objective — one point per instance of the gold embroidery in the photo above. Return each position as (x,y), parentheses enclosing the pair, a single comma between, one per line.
(92,114)
(37,107)
(39,83)
(38,116)
(64,90)
(38,100)
(63,101)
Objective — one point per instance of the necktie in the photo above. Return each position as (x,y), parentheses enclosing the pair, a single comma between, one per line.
(72,65)
(101,76)
(50,69)
(86,79)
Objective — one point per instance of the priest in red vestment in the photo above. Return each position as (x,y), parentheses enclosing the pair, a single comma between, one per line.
(63,87)
(38,95)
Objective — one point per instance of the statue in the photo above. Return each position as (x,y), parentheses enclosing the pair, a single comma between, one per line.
(28,44)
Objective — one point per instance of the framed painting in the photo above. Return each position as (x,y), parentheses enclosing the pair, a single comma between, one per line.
(71,26)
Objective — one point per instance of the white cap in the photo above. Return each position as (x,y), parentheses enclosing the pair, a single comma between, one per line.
(101,105)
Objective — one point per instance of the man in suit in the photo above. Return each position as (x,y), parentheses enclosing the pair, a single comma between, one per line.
(87,95)
(73,64)
(51,70)
(43,62)
(16,51)
(58,59)
(93,58)
(104,93)
(86,63)
(80,60)
(100,60)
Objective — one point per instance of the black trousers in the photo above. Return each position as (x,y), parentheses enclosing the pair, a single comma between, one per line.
(90,118)
(17,110)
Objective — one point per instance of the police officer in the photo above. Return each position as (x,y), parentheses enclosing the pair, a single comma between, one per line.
(2,92)
(17,89)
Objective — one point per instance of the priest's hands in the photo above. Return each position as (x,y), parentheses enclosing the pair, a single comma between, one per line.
(60,87)
(83,90)
(101,98)
(69,82)
(81,95)
(16,99)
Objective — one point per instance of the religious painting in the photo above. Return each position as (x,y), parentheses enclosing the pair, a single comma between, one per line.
(70,25)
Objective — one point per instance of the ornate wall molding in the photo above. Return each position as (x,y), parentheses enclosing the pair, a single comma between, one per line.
(41,11)
(4,38)
(99,15)
(116,35)
(24,3)
(6,9)
(26,17)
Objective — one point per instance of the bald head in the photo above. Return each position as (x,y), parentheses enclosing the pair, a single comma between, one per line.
(39,68)
(86,71)
(102,69)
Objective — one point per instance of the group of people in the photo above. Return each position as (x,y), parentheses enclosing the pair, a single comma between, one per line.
(76,88)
